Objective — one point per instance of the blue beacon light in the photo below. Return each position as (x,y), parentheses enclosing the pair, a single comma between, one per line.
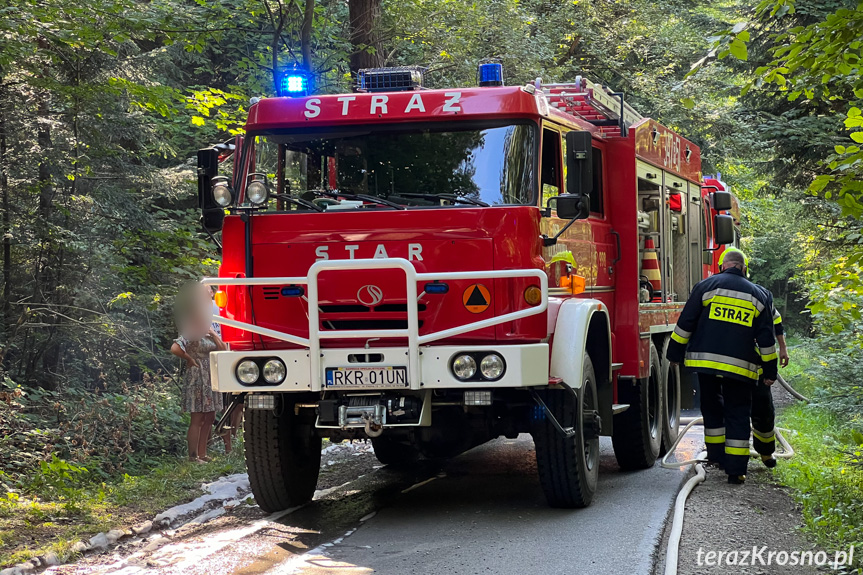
(293,291)
(490,73)
(436,288)
(294,82)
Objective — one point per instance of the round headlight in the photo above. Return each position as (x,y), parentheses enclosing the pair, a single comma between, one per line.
(257,192)
(222,194)
(491,366)
(464,367)
(248,372)
(275,371)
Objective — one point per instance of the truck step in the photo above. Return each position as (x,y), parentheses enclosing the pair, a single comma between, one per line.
(619,408)
(616,366)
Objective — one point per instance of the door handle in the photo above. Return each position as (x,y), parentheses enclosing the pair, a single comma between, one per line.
(617,255)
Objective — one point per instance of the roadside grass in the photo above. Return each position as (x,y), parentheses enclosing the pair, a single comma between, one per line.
(826,473)
(53,520)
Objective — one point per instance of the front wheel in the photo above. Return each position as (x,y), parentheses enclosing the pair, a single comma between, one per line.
(569,467)
(283,457)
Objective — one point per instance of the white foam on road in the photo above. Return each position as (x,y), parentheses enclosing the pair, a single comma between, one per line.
(223,489)
(185,554)
(229,491)
(316,559)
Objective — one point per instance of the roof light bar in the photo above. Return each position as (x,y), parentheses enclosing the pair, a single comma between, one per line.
(398,79)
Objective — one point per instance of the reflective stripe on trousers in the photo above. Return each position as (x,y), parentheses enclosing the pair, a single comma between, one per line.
(765,436)
(737,447)
(714,435)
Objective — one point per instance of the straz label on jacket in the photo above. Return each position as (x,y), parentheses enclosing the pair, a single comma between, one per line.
(732,314)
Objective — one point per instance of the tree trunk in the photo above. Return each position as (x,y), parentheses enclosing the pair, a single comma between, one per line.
(306,34)
(365,18)
(43,139)
(7,231)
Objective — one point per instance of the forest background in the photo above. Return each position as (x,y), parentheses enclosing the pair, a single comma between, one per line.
(104,103)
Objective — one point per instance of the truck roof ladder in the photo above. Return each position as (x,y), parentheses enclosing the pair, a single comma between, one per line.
(594,103)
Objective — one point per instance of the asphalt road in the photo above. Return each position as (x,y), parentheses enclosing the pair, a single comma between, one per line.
(484,512)
(480,513)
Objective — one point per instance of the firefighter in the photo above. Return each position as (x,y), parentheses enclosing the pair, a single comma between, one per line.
(724,332)
(763,411)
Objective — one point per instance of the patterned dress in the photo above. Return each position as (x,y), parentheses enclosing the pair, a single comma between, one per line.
(198,395)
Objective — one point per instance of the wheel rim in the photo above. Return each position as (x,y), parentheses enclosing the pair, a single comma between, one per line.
(653,416)
(591,448)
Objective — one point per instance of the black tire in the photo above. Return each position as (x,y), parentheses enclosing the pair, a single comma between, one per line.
(638,430)
(395,453)
(670,380)
(569,468)
(283,457)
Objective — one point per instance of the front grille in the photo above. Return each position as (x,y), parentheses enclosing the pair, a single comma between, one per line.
(271,292)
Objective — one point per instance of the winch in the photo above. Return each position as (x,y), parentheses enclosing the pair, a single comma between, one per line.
(369,410)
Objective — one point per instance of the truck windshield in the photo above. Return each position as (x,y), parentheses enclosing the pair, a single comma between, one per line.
(411,166)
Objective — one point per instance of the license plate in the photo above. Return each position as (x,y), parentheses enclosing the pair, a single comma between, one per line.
(367,377)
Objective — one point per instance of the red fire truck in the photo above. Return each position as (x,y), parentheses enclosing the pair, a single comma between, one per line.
(434,268)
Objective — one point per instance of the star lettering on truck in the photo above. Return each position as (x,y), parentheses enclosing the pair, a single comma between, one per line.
(353,252)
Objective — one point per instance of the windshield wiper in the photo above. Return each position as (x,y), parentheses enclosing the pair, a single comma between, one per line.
(448,197)
(298,202)
(335,194)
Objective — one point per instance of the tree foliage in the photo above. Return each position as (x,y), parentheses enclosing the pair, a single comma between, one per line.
(103,104)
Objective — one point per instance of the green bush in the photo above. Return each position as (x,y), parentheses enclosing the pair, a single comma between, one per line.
(51,442)
(833,379)
(826,473)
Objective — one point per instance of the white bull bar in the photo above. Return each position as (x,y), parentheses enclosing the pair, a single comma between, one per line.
(313,342)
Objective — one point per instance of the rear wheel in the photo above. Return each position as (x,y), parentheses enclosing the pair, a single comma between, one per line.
(670,380)
(395,453)
(283,457)
(569,467)
(638,430)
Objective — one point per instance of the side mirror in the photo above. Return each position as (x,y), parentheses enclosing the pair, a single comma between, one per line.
(721,201)
(723,228)
(579,168)
(571,207)
(212,214)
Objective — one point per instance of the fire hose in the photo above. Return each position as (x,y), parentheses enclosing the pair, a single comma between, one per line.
(673,548)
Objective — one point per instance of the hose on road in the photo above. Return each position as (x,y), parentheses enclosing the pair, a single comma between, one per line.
(673,548)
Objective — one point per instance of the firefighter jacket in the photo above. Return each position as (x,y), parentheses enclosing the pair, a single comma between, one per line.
(726,329)
(778,328)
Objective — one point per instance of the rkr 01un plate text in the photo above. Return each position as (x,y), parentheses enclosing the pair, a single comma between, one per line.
(367,377)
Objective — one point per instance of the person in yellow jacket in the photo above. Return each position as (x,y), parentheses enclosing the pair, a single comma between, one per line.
(725,334)
(763,411)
